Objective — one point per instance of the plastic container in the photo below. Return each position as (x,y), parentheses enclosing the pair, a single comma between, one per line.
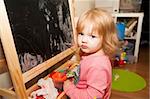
(121,30)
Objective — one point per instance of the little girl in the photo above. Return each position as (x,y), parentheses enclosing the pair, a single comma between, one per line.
(97,40)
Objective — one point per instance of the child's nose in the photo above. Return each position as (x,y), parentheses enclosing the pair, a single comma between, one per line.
(84,39)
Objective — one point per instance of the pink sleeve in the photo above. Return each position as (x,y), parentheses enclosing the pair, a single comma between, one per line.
(96,82)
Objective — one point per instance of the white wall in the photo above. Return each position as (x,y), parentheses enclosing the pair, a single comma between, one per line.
(111,6)
(83,5)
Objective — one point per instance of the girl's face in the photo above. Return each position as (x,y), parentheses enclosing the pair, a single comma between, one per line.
(89,42)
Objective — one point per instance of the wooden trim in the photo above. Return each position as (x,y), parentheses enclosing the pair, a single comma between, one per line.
(62,96)
(31,89)
(47,64)
(11,54)
(6,92)
(66,64)
(72,12)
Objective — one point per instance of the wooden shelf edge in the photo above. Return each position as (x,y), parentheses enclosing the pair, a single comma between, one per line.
(35,86)
(44,66)
(6,92)
(62,96)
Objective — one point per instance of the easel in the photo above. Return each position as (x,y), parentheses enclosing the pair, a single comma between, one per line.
(18,78)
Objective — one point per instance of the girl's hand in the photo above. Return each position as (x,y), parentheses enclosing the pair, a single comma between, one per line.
(67,84)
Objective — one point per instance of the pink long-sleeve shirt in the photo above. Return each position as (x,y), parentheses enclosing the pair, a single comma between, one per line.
(94,80)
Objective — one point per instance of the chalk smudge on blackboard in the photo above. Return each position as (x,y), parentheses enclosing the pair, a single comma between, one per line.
(41,29)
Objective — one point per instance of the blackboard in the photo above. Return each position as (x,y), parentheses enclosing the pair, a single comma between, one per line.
(41,29)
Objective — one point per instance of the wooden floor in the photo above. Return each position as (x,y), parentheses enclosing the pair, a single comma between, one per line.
(141,68)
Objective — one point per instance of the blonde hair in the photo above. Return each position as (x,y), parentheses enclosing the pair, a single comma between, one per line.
(103,24)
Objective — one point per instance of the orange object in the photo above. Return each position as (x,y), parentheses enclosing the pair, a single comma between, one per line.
(58,80)
(58,76)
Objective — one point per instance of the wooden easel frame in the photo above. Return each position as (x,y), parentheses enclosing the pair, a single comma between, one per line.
(18,78)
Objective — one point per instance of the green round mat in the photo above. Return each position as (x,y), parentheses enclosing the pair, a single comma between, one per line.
(126,81)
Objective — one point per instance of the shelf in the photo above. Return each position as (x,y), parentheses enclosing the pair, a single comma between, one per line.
(128,14)
(131,37)
(138,28)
